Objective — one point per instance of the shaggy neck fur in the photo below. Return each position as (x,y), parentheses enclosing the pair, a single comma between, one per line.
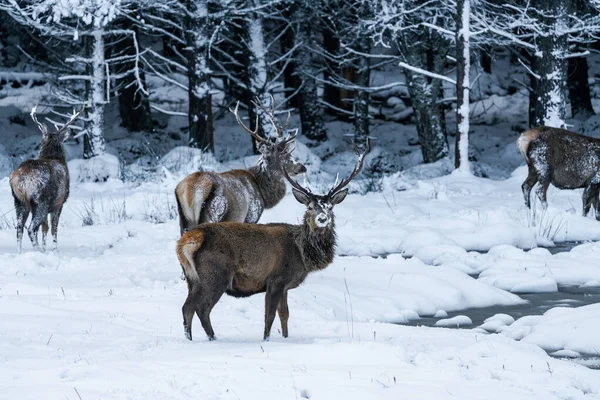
(270,185)
(317,246)
(52,149)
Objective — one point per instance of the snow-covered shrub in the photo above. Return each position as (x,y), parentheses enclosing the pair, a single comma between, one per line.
(184,160)
(159,208)
(95,169)
(87,213)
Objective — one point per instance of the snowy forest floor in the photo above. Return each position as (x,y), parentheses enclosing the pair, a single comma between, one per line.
(101,317)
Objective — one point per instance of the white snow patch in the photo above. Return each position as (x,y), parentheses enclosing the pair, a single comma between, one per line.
(459,320)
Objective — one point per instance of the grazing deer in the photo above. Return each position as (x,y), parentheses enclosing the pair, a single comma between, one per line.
(244,259)
(239,195)
(566,159)
(41,186)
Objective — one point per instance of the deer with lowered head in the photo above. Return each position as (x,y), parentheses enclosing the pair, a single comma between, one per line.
(566,159)
(41,186)
(245,259)
(240,195)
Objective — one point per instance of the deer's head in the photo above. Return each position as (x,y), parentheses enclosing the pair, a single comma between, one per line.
(276,152)
(52,141)
(319,208)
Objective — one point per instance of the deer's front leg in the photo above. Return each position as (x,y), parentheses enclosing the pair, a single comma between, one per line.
(272,298)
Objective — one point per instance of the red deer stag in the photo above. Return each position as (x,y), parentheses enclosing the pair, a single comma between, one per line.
(239,195)
(41,186)
(244,259)
(566,159)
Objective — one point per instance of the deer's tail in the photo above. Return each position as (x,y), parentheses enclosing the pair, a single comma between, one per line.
(525,139)
(187,246)
(191,193)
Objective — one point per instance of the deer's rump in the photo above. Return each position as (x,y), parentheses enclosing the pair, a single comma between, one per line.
(571,160)
(40,179)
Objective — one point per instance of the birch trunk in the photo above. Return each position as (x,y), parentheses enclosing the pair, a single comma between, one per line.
(258,73)
(94,144)
(463,64)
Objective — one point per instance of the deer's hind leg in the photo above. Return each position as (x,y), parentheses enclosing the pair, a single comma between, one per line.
(44,232)
(589,198)
(39,215)
(528,184)
(22,214)
(212,288)
(54,217)
(189,307)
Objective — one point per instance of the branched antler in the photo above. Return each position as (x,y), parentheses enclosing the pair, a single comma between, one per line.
(71,120)
(357,168)
(253,133)
(271,115)
(42,127)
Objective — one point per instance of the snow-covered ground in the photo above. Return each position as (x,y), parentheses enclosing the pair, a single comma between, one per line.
(101,318)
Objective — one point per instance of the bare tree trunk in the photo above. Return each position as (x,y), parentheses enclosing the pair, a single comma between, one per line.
(361,97)
(291,75)
(94,143)
(579,88)
(463,64)
(134,107)
(424,93)
(550,66)
(331,93)
(485,57)
(198,34)
(311,110)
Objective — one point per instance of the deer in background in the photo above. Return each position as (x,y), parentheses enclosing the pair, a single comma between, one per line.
(566,159)
(41,186)
(240,195)
(244,259)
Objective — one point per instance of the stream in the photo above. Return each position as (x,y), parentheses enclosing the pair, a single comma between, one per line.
(538,304)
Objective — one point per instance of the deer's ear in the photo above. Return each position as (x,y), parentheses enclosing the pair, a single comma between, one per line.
(338,197)
(301,197)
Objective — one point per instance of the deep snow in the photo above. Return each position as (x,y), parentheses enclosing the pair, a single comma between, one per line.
(103,314)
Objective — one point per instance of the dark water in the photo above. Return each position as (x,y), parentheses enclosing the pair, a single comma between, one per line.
(537,304)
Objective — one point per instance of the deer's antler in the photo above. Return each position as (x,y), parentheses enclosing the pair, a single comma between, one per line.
(71,120)
(270,113)
(41,126)
(295,184)
(357,168)
(253,133)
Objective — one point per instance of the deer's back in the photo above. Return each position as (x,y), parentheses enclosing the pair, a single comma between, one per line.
(573,160)
(42,180)
(233,195)
(249,254)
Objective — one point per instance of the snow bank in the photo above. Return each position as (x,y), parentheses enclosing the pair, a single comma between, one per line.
(570,329)
(96,169)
